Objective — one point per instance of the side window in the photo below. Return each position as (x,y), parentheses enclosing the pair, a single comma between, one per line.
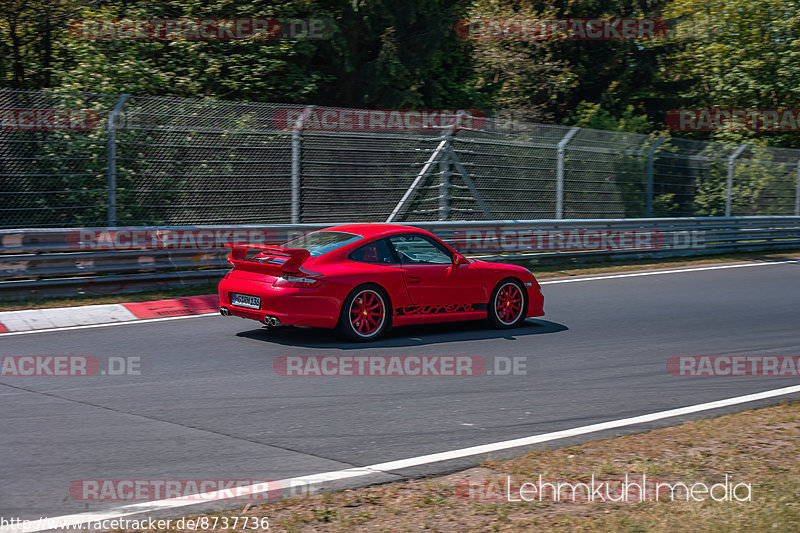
(374,252)
(416,249)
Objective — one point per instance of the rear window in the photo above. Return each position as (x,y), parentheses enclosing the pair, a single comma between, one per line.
(322,242)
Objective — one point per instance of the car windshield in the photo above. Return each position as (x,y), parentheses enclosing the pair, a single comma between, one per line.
(322,242)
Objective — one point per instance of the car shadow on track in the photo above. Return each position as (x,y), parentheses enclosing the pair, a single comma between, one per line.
(402,336)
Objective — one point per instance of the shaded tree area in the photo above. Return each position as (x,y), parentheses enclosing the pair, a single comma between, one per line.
(380,54)
(389,54)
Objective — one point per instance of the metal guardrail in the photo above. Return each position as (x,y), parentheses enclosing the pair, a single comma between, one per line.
(50,262)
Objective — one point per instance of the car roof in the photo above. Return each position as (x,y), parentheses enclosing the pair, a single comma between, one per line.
(375,229)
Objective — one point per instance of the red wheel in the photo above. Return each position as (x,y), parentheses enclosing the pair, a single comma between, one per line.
(507,305)
(364,314)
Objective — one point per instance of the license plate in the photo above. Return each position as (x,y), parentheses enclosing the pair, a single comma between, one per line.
(245,300)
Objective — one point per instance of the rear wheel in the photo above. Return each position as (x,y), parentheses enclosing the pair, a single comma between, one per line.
(507,304)
(365,314)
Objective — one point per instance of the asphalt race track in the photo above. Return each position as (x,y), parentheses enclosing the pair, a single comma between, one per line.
(208,404)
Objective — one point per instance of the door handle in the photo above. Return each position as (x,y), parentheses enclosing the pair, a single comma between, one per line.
(414,279)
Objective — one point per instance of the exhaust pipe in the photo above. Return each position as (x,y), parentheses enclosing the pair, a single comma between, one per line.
(272,321)
(224,311)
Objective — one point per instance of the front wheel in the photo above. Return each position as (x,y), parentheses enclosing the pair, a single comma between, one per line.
(365,314)
(507,304)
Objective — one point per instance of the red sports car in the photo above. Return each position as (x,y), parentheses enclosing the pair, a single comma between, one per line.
(366,278)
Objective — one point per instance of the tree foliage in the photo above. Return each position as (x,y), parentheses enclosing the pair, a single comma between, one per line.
(389,54)
(741,54)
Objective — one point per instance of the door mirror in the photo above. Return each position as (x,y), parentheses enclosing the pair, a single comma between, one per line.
(459,259)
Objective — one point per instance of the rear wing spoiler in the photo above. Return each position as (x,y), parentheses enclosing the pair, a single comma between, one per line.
(295,258)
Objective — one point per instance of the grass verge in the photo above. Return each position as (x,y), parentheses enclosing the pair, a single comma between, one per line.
(760,447)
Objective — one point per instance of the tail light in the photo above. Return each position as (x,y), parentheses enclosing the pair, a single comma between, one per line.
(297,282)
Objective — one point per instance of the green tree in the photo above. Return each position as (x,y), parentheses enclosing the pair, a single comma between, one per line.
(32,34)
(741,54)
(546,80)
(380,54)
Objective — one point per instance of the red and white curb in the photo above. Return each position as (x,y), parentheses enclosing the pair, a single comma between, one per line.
(65,317)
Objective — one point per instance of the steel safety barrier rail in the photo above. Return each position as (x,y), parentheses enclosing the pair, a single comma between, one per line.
(52,262)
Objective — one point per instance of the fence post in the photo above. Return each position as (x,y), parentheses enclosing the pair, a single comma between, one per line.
(651,175)
(729,187)
(797,193)
(444,179)
(561,150)
(111,155)
(421,175)
(296,167)
(444,188)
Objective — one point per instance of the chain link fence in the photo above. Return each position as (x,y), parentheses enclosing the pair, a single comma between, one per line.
(81,160)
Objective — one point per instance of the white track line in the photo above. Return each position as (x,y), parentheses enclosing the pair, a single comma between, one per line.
(389,467)
(573,280)
(659,272)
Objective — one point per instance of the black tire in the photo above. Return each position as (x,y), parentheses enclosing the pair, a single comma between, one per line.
(355,328)
(514,316)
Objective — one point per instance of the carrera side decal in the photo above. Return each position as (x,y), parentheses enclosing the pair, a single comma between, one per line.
(437,309)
